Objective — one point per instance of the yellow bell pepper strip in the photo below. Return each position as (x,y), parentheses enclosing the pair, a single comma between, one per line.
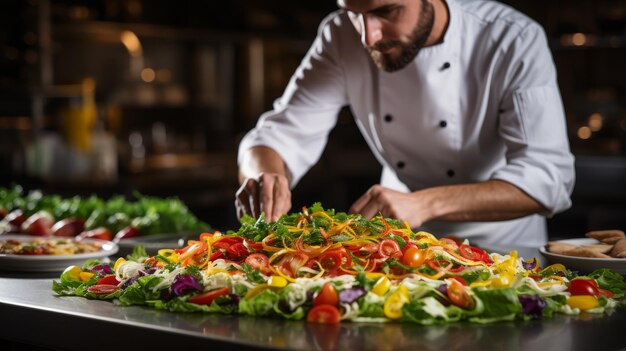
(277,281)
(118,262)
(583,302)
(85,276)
(394,302)
(382,286)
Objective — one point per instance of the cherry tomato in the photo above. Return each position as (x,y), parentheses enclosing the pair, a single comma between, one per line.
(103,289)
(458,295)
(583,287)
(389,248)
(208,297)
(108,280)
(327,296)
(259,261)
(323,314)
(413,257)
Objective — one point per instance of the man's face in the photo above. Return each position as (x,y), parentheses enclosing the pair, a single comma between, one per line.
(393,31)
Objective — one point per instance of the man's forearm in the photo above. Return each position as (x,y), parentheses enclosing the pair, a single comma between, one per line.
(261,159)
(494,200)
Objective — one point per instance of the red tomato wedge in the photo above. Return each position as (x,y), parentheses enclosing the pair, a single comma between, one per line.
(327,296)
(323,314)
(208,297)
(108,280)
(259,261)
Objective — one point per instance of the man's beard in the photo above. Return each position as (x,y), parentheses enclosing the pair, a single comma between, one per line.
(408,51)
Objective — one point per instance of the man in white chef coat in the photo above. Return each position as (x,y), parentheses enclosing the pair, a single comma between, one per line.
(458,100)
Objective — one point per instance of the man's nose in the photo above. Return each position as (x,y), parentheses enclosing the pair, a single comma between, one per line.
(371,31)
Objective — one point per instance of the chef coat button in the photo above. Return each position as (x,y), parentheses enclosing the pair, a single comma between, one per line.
(400,164)
(443,124)
(388,118)
(445,66)
(450,173)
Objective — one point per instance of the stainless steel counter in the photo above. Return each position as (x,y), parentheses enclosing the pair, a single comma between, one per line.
(31,313)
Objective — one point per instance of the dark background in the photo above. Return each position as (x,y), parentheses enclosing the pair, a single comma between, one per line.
(167,121)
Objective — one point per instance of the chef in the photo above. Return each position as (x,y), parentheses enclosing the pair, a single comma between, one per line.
(458,101)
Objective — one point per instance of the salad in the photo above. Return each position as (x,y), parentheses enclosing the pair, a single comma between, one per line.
(326,267)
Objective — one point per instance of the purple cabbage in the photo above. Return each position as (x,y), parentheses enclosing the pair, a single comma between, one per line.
(530,265)
(101,270)
(443,288)
(185,283)
(350,295)
(532,305)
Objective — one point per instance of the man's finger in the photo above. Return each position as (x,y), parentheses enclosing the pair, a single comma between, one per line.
(266,195)
(282,198)
(358,205)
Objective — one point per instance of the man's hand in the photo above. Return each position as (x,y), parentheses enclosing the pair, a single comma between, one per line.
(269,193)
(392,204)
(492,200)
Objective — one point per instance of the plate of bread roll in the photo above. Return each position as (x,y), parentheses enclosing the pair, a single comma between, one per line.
(599,249)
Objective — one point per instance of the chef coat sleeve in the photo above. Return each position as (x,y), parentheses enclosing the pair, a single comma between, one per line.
(532,123)
(298,126)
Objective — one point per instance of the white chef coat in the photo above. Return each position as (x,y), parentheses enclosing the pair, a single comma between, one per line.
(483,104)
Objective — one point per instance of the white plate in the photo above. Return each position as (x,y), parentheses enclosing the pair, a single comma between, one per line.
(51,263)
(585,264)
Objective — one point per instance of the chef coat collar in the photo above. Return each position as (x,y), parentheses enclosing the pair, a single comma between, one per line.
(452,36)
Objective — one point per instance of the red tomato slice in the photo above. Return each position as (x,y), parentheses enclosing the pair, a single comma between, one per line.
(291,262)
(327,296)
(108,280)
(103,289)
(389,248)
(323,314)
(259,261)
(458,295)
(208,297)
(474,254)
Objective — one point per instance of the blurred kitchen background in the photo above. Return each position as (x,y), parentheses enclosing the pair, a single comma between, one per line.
(114,96)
